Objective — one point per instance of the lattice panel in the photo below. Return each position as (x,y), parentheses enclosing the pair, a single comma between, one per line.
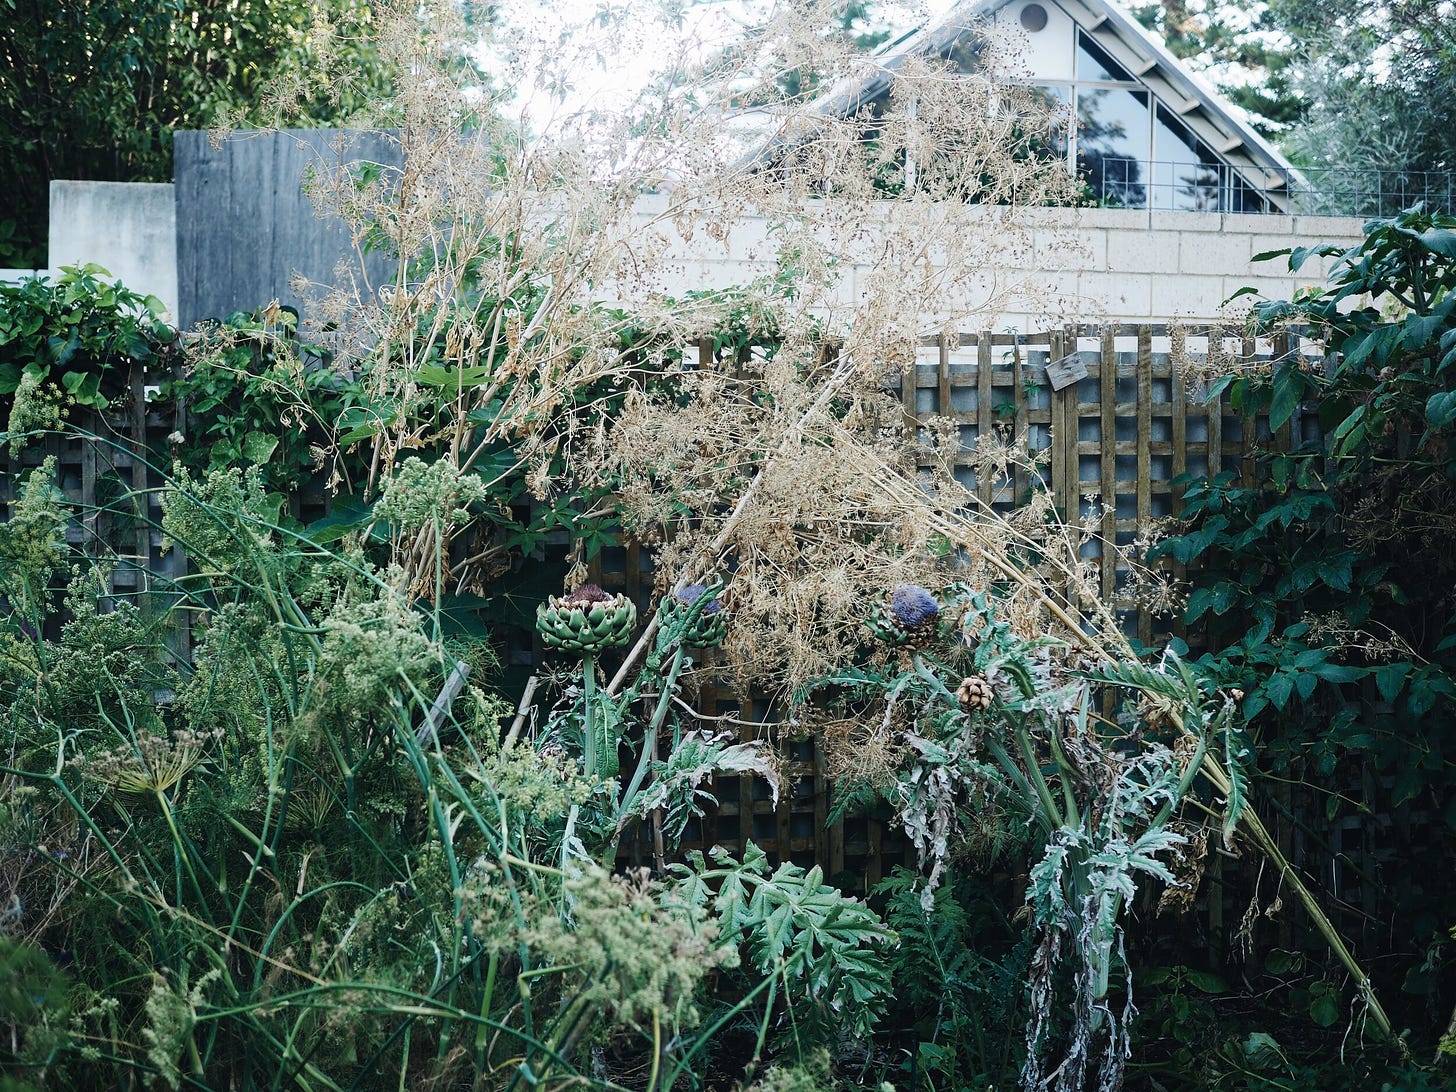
(1110,446)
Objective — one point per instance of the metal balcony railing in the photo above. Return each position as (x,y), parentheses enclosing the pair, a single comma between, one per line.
(1218,187)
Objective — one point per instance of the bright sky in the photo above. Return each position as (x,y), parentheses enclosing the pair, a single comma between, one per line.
(601,76)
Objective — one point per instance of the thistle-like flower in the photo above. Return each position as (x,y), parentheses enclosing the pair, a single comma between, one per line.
(709,625)
(913,606)
(908,618)
(586,620)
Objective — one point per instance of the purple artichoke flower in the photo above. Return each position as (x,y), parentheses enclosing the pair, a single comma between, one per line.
(913,606)
(692,593)
(587,593)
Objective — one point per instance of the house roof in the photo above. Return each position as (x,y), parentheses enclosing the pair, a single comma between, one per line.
(1213,118)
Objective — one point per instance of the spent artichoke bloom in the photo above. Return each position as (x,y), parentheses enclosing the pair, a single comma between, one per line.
(908,618)
(710,624)
(975,693)
(586,620)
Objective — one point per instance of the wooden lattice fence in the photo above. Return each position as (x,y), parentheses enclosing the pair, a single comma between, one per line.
(1121,452)
(1117,457)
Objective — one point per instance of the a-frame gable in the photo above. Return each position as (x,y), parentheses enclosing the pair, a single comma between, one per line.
(1188,100)
(1148,133)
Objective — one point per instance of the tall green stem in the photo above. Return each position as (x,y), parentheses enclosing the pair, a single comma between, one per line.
(590,758)
(649,750)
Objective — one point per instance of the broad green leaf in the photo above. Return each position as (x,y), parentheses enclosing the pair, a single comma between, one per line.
(432,375)
(1339,673)
(1440,241)
(1280,688)
(1288,390)
(1324,1009)
(1441,409)
(258,447)
(1207,982)
(1389,678)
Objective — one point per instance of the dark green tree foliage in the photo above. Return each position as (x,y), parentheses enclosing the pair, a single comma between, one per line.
(92,89)
(1215,37)
(1341,83)
(1328,587)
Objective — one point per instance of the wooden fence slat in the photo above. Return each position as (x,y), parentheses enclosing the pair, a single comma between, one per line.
(1064,457)
(985,414)
(1020,478)
(1144,456)
(1180,467)
(1107,396)
(945,407)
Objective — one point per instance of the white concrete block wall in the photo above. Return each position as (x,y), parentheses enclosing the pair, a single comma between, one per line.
(1067,265)
(1087,265)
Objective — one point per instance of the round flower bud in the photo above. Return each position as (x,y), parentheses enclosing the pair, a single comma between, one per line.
(587,620)
(975,693)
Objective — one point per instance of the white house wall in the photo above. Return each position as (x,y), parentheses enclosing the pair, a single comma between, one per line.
(1069,265)
(1046,54)
(127,228)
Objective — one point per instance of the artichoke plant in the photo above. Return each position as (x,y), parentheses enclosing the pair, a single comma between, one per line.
(908,618)
(587,620)
(708,623)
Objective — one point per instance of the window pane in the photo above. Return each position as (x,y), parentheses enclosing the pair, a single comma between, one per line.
(1093,63)
(1186,173)
(1112,145)
(1057,100)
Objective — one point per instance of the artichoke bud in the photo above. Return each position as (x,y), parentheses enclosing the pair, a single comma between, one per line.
(710,625)
(975,693)
(587,620)
(908,618)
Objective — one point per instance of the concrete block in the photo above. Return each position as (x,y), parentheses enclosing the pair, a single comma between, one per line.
(1340,230)
(127,228)
(1187,297)
(1142,251)
(1070,248)
(1124,219)
(1186,221)
(1260,225)
(1123,295)
(1201,253)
